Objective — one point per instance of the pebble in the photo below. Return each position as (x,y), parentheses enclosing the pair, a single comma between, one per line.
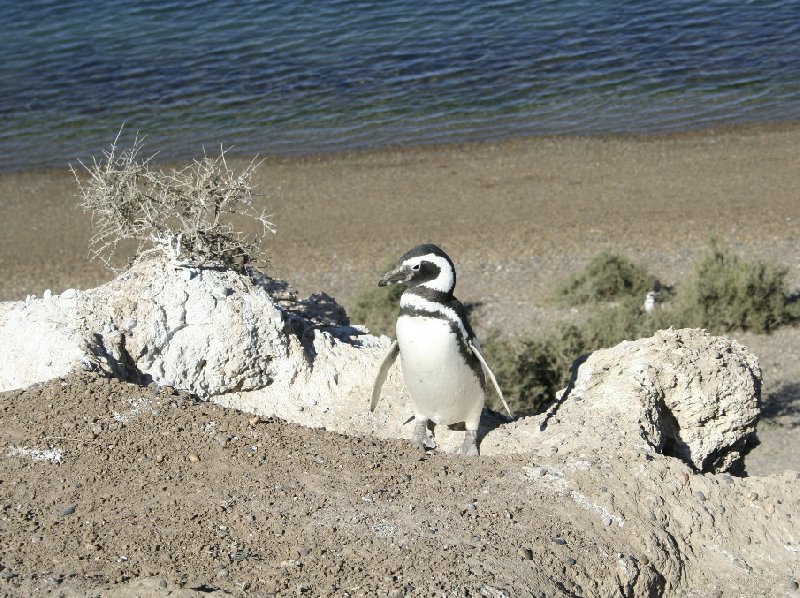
(68,510)
(222,439)
(792,585)
(304,551)
(700,496)
(525,553)
(254,420)
(193,458)
(752,496)
(570,561)
(606,520)
(559,541)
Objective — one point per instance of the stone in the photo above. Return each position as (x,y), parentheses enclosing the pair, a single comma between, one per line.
(681,393)
(248,343)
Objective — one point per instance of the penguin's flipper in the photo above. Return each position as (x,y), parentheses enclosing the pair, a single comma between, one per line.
(387,362)
(486,370)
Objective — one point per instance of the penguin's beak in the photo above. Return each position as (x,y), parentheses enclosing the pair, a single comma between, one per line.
(399,275)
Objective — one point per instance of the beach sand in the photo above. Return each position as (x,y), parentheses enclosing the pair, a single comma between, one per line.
(516,217)
(513,215)
(192,498)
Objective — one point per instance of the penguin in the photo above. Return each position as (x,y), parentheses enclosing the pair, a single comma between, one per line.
(443,368)
(650,301)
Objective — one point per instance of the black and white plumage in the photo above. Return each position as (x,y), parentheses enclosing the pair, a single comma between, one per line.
(440,357)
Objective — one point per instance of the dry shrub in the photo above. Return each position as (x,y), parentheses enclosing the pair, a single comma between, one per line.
(193,215)
(607,277)
(726,292)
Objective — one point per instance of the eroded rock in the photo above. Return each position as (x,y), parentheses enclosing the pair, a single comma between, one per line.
(682,393)
(249,343)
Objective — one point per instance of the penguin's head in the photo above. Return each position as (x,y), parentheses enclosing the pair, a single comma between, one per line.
(426,266)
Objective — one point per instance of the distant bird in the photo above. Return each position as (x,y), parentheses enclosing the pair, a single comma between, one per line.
(650,301)
(440,357)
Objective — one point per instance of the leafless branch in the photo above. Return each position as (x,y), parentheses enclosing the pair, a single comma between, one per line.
(188,214)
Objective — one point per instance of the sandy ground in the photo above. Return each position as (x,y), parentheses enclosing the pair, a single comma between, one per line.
(516,217)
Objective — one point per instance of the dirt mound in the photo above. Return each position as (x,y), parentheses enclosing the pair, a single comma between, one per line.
(114,489)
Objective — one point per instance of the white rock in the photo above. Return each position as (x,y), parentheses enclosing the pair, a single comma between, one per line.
(225,338)
(682,393)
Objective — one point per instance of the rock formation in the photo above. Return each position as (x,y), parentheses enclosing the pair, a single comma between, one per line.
(625,443)
(682,393)
(248,343)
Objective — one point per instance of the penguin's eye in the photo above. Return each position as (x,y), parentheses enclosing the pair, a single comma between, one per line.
(415,267)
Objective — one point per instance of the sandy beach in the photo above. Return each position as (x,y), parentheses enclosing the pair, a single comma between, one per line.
(158,506)
(514,215)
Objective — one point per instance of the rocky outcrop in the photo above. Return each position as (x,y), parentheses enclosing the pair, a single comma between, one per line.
(682,393)
(618,458)
(249,343)
(241,341)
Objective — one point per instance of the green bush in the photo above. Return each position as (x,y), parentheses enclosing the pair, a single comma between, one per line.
(607,277)
(723,293)
(726,292)
(377,308)
(530,370)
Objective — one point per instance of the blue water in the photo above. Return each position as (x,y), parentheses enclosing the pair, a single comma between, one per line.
(295,77)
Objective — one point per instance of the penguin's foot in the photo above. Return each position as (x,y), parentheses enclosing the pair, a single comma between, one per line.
(470,445)
(420,437)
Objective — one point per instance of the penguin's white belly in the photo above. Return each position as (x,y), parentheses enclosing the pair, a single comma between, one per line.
(441,385)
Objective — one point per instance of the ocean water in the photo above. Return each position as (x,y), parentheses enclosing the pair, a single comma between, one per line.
(295,77)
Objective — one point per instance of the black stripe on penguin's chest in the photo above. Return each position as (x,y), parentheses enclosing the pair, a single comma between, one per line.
(463,348)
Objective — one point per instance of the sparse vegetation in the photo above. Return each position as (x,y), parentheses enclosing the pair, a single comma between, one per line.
(377,308)
(194,214)
(531,369)
(724,293)
(607,277)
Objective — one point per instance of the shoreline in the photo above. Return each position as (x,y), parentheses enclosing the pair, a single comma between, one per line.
(743,128)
